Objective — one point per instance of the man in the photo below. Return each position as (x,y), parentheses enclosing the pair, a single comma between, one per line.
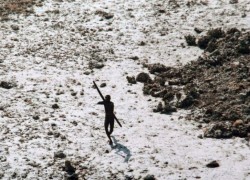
(109,116)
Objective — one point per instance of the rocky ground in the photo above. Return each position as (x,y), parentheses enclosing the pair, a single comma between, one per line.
(217,84)
(51,51)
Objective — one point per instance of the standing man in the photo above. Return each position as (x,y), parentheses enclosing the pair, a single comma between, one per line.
(109,116)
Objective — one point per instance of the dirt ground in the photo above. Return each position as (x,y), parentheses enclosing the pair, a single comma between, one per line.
(53,50)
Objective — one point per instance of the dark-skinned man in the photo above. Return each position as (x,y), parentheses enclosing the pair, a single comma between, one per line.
(109,116)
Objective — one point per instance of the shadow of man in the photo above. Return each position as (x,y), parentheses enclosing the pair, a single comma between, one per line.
(121,150)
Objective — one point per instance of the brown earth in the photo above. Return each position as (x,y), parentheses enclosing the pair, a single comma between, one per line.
(8,7)
(217,84)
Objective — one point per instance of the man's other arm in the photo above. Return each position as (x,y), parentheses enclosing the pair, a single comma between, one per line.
(101,102)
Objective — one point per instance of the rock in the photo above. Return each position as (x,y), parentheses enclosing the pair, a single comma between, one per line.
(157,92)
(146,89)
(134,58)
(14,27)
(240,131)
(243,47)
(24,175)
(104,14)
(45,119)
(87,73)
(143,77)
(198,30)
(75,123)
(55,106)
(231,31)
(103,85)
(34,164)
(82,93)
(169,95)
(142,43)
(233,1)
(53,125)
(14,175)
(56,134)
(159,68)
(77,54)
(237,123)
(6,85)
(73,93)
(131,79)
(200,125)
(191,40)
(129,177)
(215,86)
(218,130)
(218,133)
(159,80)
(159,107)
(59,154)
(193,92)
(213,164)
(162,10)
(244,15)
(178,96)
(174,82)
(168,108)
(36,117)
(186,102)
(212,46)
(203,42)
(69,168)
(71,177)
(200,136)
(1,174)
(149,177)
(3,159)
(98,65)
(216,33)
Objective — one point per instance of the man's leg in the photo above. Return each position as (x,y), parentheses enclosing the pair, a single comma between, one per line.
(106,124)
(111,126)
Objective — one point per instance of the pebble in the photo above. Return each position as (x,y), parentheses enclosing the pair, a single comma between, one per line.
(59,154)
(15,27)
(213,164)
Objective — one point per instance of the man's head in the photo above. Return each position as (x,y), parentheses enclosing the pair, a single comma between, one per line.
(107,98)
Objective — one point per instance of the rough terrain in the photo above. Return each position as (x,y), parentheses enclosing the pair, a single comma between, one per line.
(50,125)
(217,84)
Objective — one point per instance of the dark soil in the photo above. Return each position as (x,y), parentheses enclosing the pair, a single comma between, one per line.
(217,85)
(25,7)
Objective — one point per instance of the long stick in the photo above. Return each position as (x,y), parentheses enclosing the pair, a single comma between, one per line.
(104,100)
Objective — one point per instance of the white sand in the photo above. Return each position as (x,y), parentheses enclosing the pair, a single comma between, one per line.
(51,55)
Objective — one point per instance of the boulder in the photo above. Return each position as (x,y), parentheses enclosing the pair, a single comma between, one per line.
(157,68)
(203,42)
(149,177)
(55,106)
(59,154)
(6,85)
(15,27)
(216,33)
(143,77)
(131,79)
(191,40)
